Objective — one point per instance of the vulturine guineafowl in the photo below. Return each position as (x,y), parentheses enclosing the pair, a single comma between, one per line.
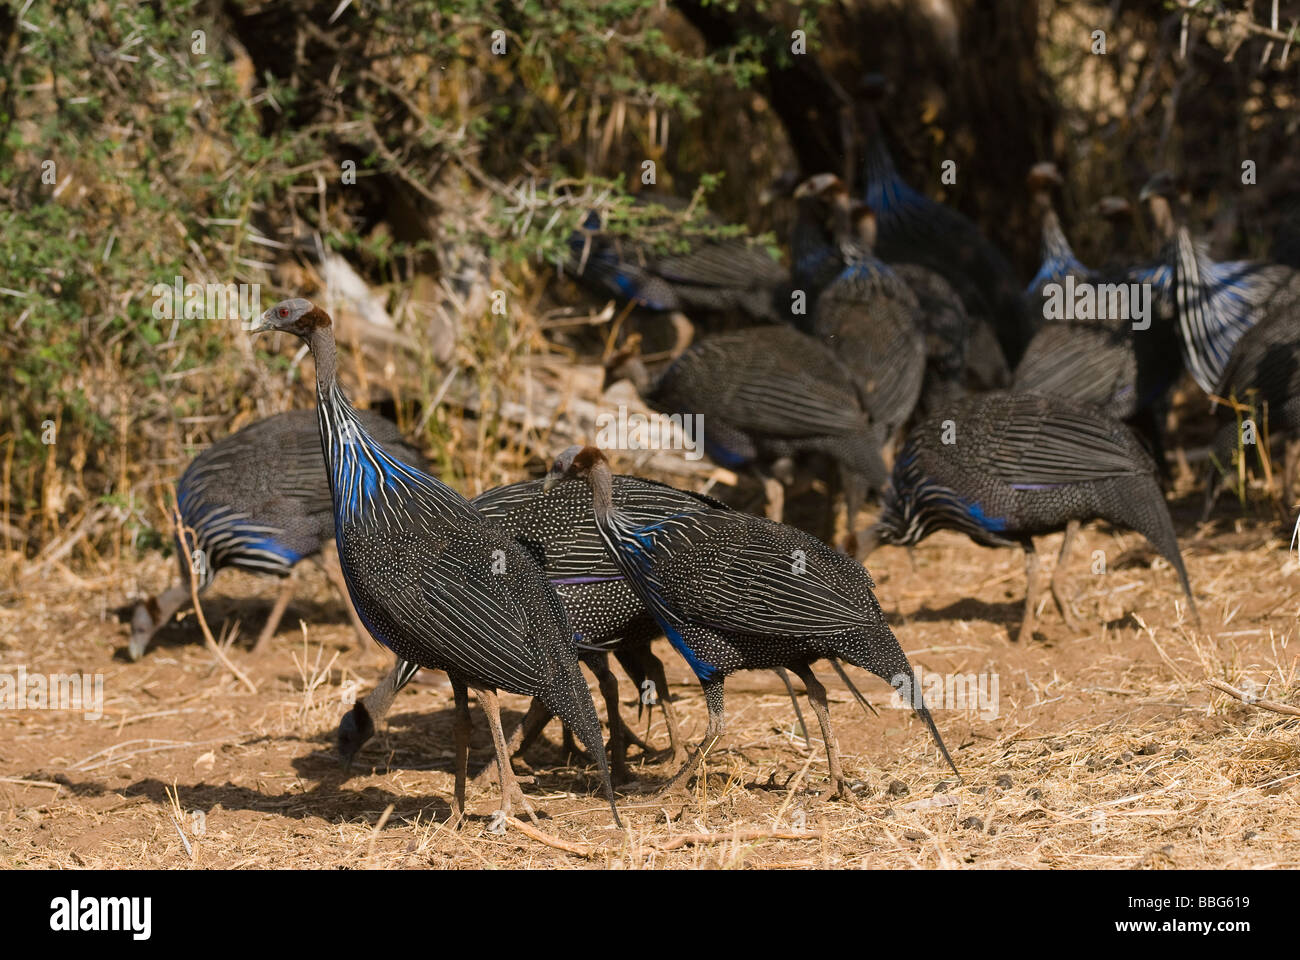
(1103,340)
(867,314)
(604,612)
(819,260)
(558,528)
(1218,302)
(912,228)
(435,582)
(732,592)
(258,500)
(1058,259)
(721,274)
(1263,374)
(768,393)
(1005,467)
(1214,302)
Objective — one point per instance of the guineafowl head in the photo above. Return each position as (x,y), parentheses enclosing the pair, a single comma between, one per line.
(576,462)
(298,316)
(355,729)
(1162,184)
(826,187)
(1114,208)
(144,624)
(1043,176)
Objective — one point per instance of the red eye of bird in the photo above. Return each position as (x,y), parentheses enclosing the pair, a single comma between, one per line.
(284,311)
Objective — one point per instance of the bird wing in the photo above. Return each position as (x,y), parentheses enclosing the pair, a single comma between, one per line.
(470,620)
(1057,446)
(794,404)
(740,574)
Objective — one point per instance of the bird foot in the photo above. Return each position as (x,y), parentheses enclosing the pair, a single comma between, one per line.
(840,791)
(1067,611)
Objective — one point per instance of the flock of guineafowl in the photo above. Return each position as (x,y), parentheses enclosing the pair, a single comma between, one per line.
(897,334)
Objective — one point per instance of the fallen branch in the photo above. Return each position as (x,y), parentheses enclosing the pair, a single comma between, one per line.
(528,830)
(208,641)
(1273,705)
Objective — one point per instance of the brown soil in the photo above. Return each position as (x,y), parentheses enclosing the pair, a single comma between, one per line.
(1108,748)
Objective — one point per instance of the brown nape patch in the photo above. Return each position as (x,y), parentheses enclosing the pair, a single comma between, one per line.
(154,611)
(316,318)
(587,459)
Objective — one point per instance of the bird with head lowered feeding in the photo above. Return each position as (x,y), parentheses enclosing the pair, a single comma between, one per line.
(434,581)
(737,592)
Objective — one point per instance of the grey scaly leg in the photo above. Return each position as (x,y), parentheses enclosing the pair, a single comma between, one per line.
(1058,578)
(712,733)
(277,613)
(509,785)
(1031,592)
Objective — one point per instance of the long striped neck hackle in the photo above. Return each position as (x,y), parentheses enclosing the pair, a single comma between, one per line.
(601,481)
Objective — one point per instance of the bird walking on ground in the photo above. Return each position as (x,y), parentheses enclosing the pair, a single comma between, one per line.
(559,530)
(604,612)
(1004,468)
(258,500)
(1110,357)
(435,582)
(767,394)
(733,591)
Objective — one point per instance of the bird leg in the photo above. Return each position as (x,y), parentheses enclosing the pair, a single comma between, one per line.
(817,697)
(277,613)
(655,670)
(1213,484)
(1290,461)
(854,495)
(487,697)
(617,742)
(652,669)
(712,733)
(521,737)
(1058,579)
(462,727)
(794,700)
(1031,592)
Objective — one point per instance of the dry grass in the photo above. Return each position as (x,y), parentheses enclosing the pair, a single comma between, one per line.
(1109,749)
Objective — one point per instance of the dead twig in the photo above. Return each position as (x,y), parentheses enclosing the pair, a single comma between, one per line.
(1282,708)
(184,534)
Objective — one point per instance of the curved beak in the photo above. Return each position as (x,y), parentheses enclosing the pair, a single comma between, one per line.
(136,648)
(551,480)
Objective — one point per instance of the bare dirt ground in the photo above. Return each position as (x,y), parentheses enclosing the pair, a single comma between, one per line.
(1108,749)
